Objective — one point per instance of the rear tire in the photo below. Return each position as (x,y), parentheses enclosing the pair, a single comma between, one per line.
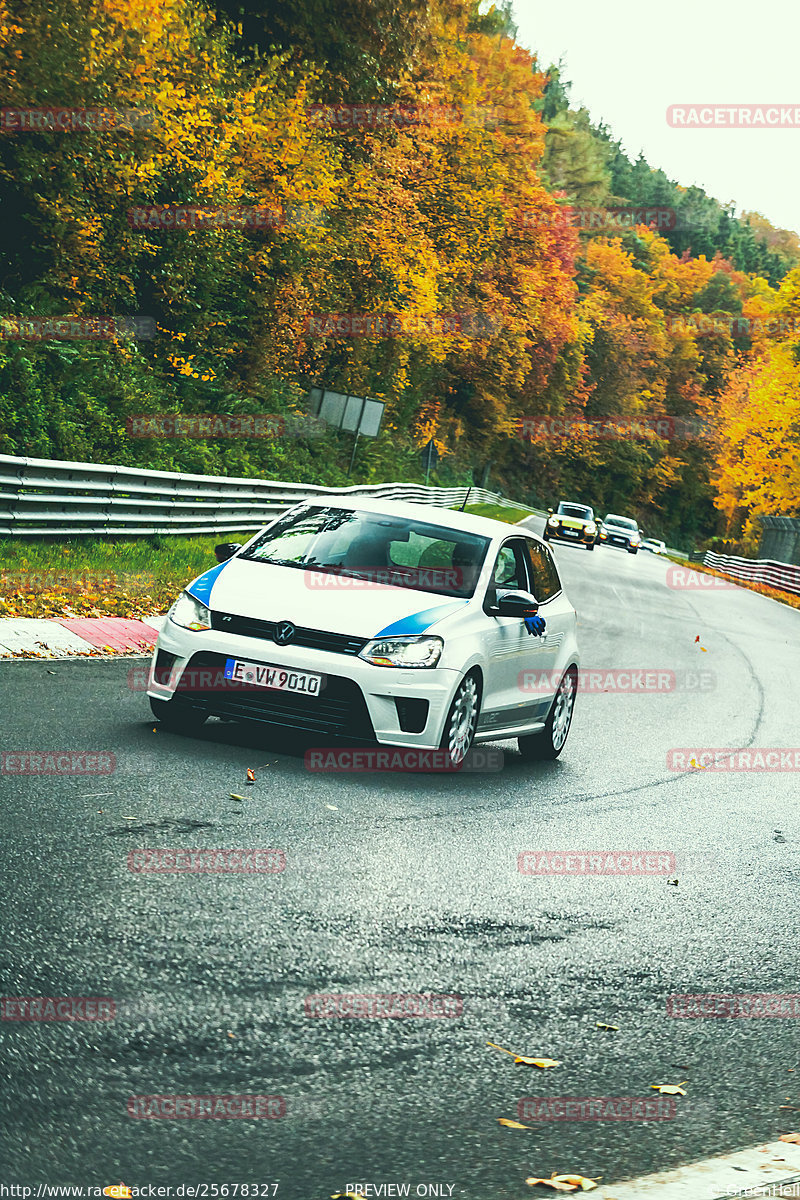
(462,720)
(550,741)
(177,715)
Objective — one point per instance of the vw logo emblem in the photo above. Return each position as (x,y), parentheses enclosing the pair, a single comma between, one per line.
(284,632)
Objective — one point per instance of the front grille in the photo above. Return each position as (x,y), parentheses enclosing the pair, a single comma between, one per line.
(315,639)
(340,708)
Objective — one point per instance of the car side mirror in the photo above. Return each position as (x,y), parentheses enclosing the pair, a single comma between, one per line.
(549,512)
(226,550)
(516,604)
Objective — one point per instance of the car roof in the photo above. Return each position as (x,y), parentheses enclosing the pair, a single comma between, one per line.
(451,518)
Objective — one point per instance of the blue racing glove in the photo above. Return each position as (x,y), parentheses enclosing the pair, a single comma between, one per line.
(535,625)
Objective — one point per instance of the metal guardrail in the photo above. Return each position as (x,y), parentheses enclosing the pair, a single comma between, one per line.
(756,570)
(40,496)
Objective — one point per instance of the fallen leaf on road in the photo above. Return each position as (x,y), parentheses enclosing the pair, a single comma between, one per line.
(672,883)
(602,1025)
(542,1063)
(513,1124)
(670,1089)
(564,1183)
(234,796)
(251,775)
(346,1196)
(697,639)
(553,1183)
(692,763)
(790,1137)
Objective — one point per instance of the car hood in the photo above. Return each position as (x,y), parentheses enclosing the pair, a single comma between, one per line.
(317,600)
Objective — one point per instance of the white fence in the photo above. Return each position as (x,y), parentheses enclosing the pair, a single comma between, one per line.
(756,570)
(48,497)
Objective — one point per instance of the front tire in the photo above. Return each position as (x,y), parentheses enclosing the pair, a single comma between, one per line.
(462,720)
(590,545)
(550,741)
(633,549)
(177,715)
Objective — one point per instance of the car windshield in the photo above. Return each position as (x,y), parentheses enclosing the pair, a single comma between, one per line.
(575,510)
(623,522)
(385,550)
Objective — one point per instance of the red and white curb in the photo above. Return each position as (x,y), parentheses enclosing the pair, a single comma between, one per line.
(747,1173)
(71,637)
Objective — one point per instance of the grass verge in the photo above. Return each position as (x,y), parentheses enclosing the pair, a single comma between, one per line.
(90,577)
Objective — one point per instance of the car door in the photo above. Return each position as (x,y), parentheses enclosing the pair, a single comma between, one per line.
(511,650)
(559,638)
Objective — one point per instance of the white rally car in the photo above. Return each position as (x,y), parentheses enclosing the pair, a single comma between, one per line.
(375,620)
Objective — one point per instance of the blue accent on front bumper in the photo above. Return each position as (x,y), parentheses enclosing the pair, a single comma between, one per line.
(419,622)
(201,587)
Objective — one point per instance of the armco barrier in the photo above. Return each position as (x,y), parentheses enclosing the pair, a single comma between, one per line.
(58,499)
(756,570)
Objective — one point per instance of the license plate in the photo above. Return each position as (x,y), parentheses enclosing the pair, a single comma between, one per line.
(571,532)
(277,678)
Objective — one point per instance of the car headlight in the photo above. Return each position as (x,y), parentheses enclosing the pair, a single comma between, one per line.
(190,613)
(590,527)
(553,521)
(403,651)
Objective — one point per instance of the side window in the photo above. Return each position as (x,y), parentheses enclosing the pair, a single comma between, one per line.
(546,582)
(510,571)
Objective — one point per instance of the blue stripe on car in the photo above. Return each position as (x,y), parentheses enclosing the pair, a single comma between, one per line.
(419,622)
(201,587)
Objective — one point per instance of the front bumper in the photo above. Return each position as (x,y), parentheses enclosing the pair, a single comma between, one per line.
(394,706)
(578,536)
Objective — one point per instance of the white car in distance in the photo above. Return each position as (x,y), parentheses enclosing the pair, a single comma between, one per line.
(371,619)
